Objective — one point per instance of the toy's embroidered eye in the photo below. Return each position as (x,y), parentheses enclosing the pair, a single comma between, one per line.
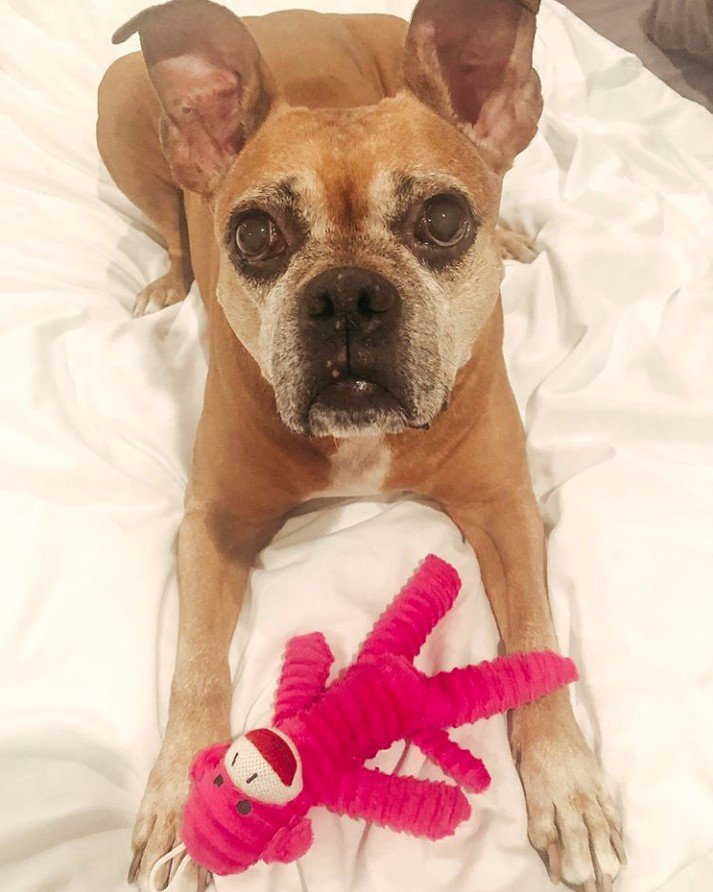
(244,807)
(219,781)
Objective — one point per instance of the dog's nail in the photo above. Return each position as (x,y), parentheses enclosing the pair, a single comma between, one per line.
(175,864)
(135,865)
(554,864)
(618,846)
(162,878)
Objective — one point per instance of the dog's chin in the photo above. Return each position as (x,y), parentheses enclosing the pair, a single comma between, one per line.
(352,407)
(355,408)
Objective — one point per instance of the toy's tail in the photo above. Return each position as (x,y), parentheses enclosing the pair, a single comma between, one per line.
(477,692)
(408,620)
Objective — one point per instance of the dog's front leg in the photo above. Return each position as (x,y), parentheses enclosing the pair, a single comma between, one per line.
(215,553)
(571,818)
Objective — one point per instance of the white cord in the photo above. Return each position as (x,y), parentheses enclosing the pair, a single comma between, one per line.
(174,853)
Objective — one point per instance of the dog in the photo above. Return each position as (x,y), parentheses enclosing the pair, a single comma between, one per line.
(332,183)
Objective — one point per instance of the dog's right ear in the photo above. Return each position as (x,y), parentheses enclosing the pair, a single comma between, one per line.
(470,61)
(214,86)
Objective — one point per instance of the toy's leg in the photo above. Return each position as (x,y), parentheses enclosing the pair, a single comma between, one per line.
(304,674)
(407,622)
(422,808)
(477,692)
(465,768)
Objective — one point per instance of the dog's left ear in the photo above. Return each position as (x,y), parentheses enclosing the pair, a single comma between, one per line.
(214,86)
(471,62)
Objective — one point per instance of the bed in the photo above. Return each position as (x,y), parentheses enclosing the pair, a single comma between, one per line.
(673,38)
(610,349)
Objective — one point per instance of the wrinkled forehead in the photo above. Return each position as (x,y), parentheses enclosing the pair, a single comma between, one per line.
(348,166)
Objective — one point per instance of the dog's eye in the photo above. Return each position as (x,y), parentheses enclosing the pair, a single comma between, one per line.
(443,221)
(257,236)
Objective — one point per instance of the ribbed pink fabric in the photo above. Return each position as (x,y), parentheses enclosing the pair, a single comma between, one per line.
(465,768)
(304,673)
(423,808)
(403,627)
(379,699)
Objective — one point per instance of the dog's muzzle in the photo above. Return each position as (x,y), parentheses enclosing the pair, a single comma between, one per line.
(350,325)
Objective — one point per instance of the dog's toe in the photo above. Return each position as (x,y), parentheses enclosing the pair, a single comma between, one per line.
(515,245)
(162,293)
(162,839)
(157,832)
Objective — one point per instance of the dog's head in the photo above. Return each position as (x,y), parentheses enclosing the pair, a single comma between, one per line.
(358,259)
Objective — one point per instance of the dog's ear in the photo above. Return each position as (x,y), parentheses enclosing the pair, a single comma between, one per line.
(471,62)
(214,86)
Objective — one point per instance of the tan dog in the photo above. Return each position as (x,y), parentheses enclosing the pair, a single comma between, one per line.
(340,219)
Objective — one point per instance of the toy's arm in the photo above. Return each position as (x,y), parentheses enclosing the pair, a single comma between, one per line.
(304,673)
(464,695)
(465,768)
(420,807)
(408,621)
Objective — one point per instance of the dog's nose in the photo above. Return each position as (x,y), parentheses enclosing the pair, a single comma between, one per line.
(348,298)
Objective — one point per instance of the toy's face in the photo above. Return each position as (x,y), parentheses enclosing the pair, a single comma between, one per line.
(264,765)
(245,804)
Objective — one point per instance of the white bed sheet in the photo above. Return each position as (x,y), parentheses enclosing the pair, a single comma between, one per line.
(610,349)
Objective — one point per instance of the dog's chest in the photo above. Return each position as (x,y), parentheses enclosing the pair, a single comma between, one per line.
(358,467)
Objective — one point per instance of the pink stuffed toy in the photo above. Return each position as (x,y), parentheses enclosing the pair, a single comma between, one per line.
(250,798)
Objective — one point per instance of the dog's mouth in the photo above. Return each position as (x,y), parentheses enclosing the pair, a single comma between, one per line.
(355,395)
(353,406)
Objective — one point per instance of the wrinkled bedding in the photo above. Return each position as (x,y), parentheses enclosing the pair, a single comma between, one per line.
(610,348)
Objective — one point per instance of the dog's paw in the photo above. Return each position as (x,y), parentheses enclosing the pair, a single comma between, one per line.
(572,820)
(169,289)
(158,827)
(515,245)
